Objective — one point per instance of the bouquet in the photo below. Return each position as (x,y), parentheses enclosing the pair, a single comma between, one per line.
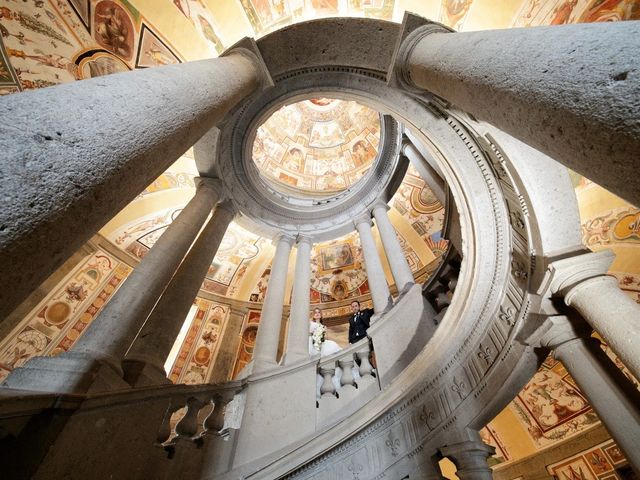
(319,334)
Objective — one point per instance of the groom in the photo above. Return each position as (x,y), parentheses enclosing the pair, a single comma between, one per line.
(359,322)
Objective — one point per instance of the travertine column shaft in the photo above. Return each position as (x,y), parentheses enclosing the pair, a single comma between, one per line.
(375,274)
(267,339)
(470,459)
(609,392)
(298,335)
(397,261)
(112,332)
(573,98)
(145,359)
(611,313)
(422,165)
(74,155)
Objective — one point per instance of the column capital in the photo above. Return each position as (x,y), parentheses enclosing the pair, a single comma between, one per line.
(228,206)
(558,330)
(304,239)
(364,218)
(283,237)
(213,185)
(414,28)
(248,48)
(564,275)
(380,204)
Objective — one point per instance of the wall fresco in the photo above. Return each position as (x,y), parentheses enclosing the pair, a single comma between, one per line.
(268,15)
(601,462)
(57,321)
(537,12)
(202,19)
(454,12)
(57,41)
(551,407)
(196,357)
(247,341)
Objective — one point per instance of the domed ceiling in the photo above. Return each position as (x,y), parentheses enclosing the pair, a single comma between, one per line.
(47,42)
(318,146)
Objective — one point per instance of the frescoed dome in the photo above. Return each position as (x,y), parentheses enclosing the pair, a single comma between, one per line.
(317,146)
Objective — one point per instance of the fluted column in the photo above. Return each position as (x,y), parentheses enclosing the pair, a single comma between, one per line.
(266,348)
(375,274)
(583,283)
(574,101)
(470,459)
(76,154)
(144,362)
(609,392)
(397,261)
(298,334)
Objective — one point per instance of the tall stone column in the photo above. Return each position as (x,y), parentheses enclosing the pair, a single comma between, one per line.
(298,335)
(573,100)
(583,283)
(609,392)
(266,349)
(144,362)
(110,335)
(375,274)
(397,261)
(470,459)
(426,171)
(76,154)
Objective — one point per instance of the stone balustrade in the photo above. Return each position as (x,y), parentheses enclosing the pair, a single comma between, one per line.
(345,369)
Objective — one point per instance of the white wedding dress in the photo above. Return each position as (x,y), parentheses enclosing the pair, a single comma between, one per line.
(327,347)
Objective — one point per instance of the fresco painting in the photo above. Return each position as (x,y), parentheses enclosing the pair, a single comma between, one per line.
(268,15)
(247,341)
(202,19)
(538,12)
(454,12)
(601,462)
(57,41)
(59,319)
(317,145)
(152,51)
(196,357)
(551,407)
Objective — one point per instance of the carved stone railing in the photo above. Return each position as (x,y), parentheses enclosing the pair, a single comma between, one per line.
(347,380)
(40,433)
(442,285)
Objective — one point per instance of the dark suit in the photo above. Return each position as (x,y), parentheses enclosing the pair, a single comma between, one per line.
(358,325)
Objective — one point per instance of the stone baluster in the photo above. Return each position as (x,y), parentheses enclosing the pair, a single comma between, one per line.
(609,392)
(346,364)
(214,422)
(397,261)
(375,274)
(187,427)
(103,157)
(470,458)
(365,368)
(144,363)
(95,359)
(473,71)
(164,432)
(327,388)
(298,334)
(266,348)
(582,282)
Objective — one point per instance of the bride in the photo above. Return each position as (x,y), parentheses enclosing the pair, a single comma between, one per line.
(318,342)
